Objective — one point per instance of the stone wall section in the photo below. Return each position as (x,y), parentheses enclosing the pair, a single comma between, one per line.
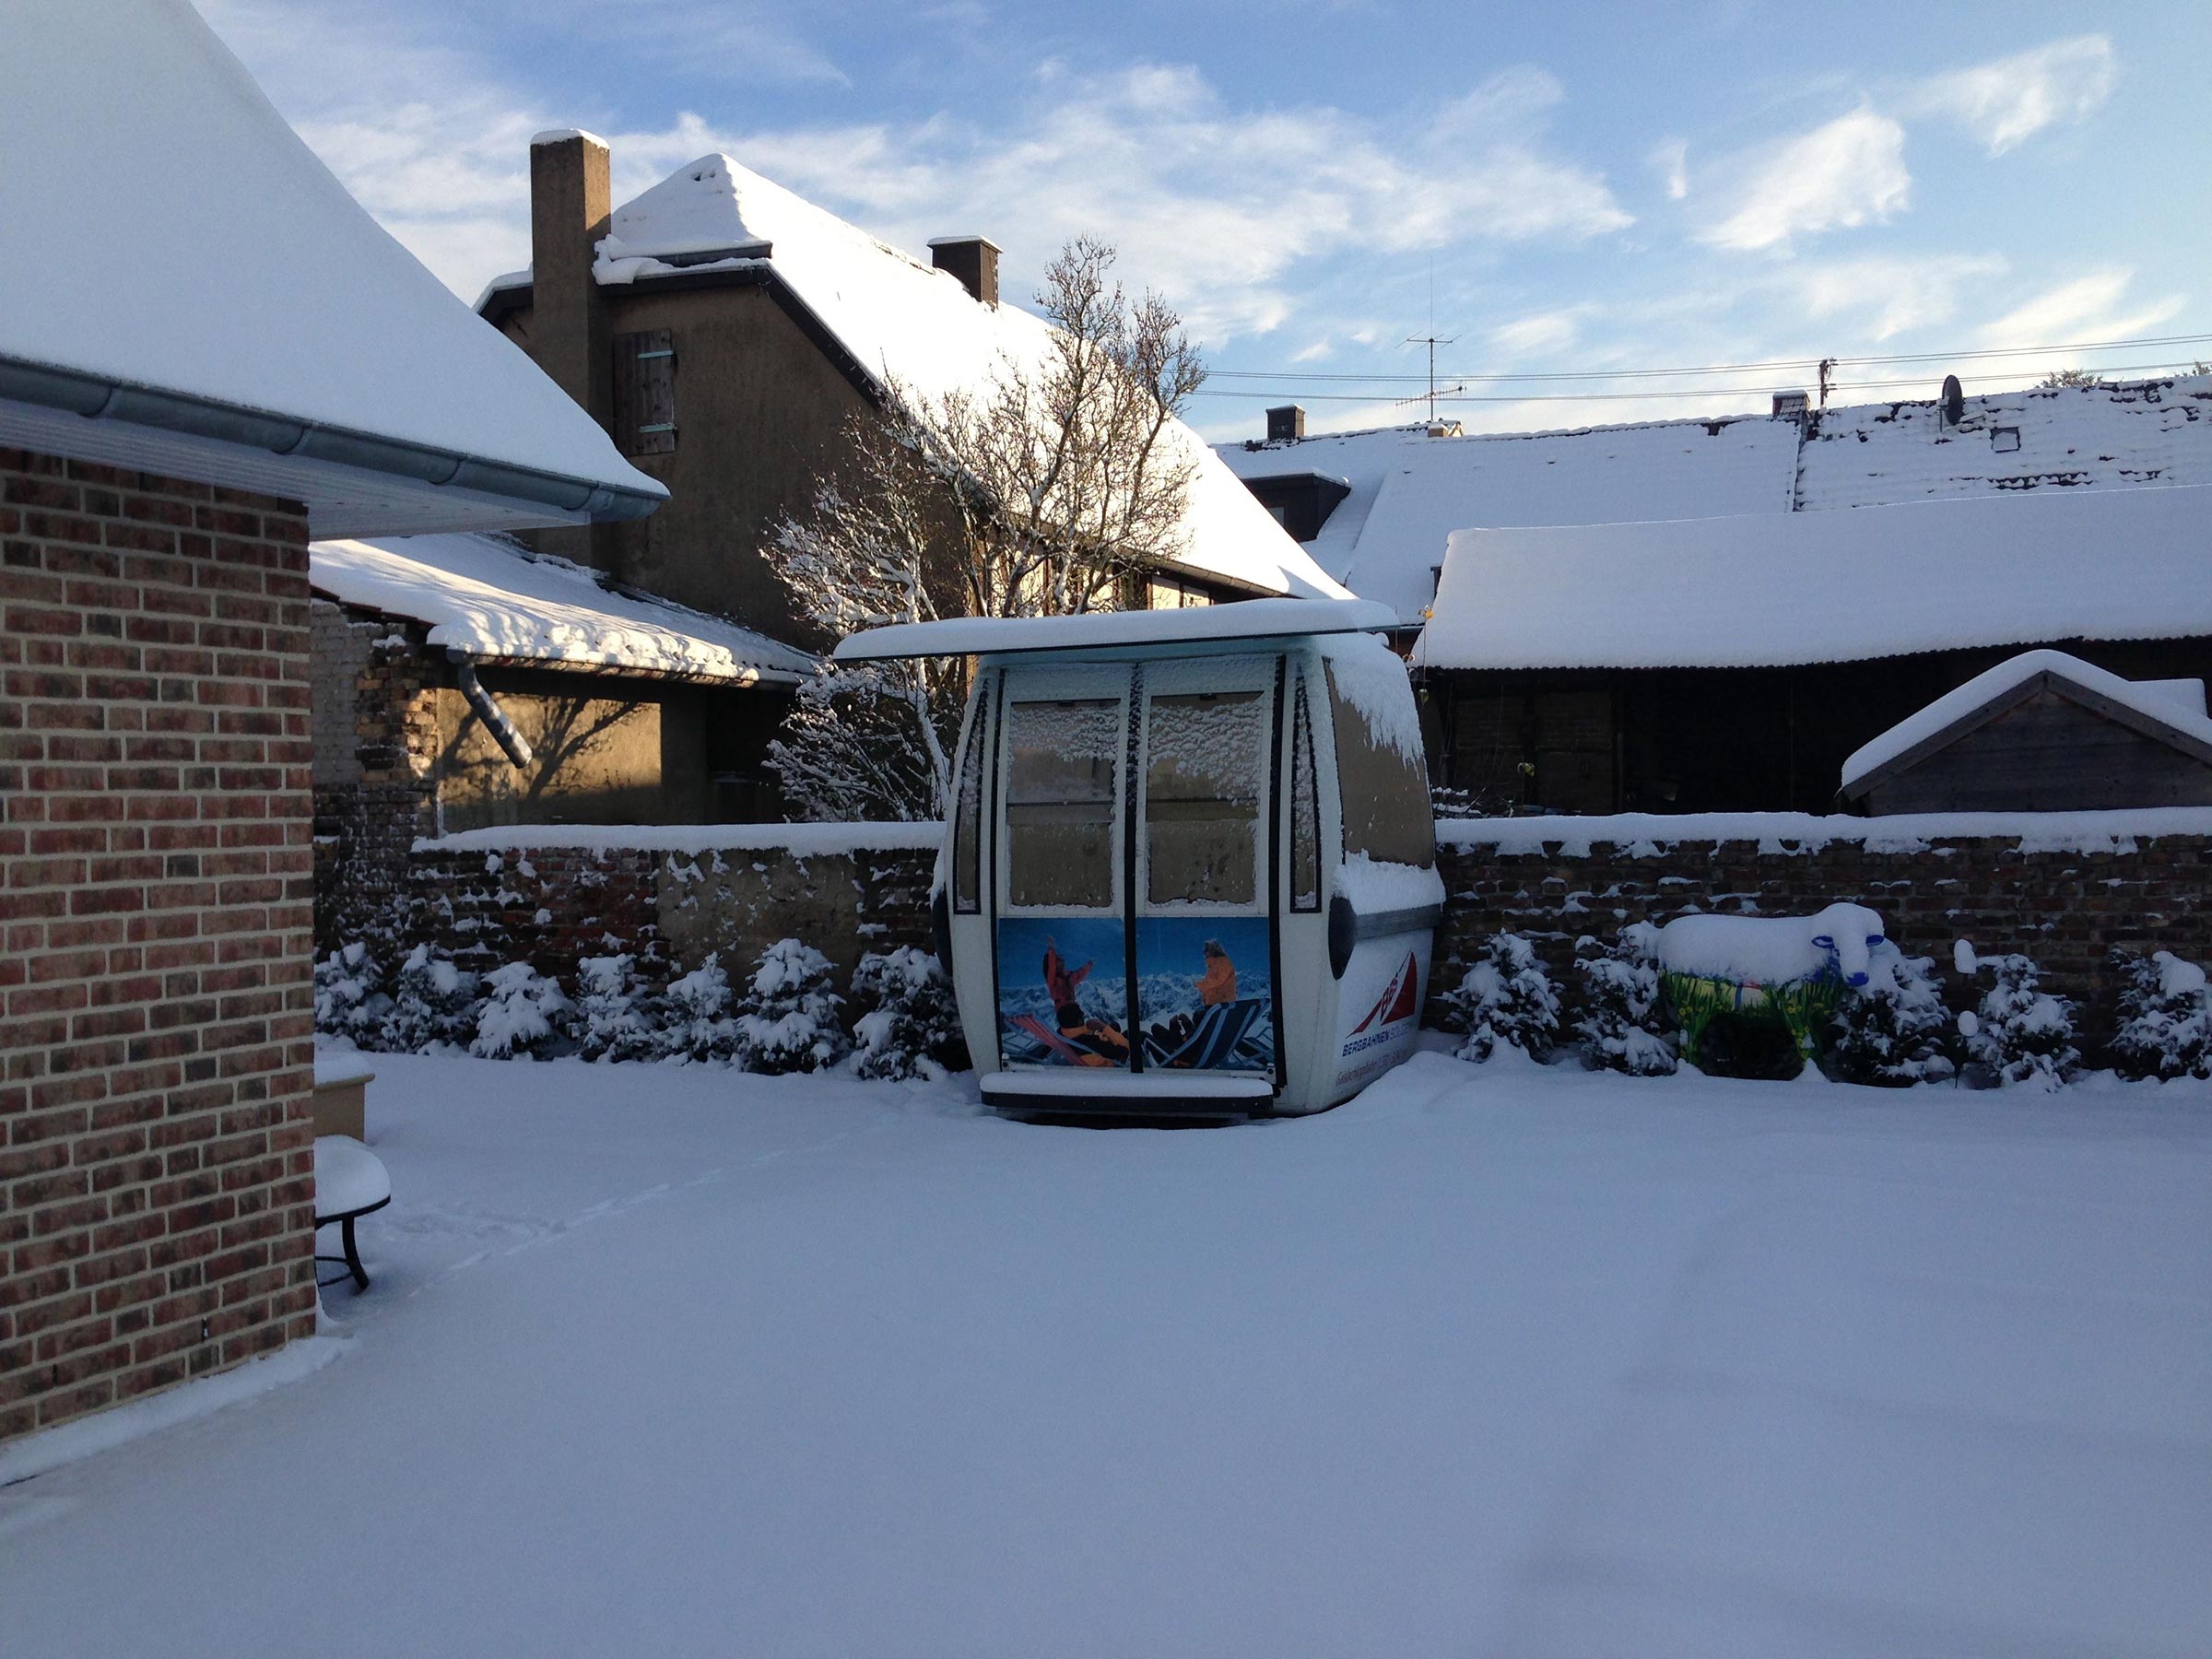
(2066,909)
(157,1170)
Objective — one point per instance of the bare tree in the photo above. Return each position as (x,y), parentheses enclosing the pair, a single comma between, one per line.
(1051,487)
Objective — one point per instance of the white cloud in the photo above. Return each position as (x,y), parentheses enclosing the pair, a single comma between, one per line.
(2088,308)
(2009,99)
(1670,160)
(1214,204)
(1892,294)
(1532,335)
(1847,173)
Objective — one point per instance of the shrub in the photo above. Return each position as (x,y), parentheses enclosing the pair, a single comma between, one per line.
(1894,1031)
(524,1013)
(433,1003)
(787,1020)
(349,997)
(1507,998)
(2165,1016)
(613,1005)
(1621,1027)
(2021,1032)
(910,1027)
(692,1021)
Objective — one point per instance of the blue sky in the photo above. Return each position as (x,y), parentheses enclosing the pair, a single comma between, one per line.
(1581,188)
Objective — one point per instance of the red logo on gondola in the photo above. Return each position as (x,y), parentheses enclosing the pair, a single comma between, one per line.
(1398,1000)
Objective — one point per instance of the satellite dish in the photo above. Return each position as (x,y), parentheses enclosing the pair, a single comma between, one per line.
(1954,400)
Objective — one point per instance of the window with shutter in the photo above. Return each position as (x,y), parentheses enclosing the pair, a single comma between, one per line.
(645,393)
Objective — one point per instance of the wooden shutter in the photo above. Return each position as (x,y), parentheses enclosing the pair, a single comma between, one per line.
(645,393)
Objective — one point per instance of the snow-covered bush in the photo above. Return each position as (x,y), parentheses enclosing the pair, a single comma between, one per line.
(787,1019)
(613,1010)
(1621,1026)
(2165,1016)
(907,1027)
(1507,998)
(525,1013)
(433,1002)
(349,997)
(1893,1031)
(692,1021)
(2021,1032)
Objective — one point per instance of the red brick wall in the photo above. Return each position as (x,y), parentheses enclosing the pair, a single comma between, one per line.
(156,1152)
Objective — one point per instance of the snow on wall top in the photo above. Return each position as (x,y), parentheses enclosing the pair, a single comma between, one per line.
(1409,490)
(1773,589)
(2176,703)
(908,325)
(485,596)
(186,238)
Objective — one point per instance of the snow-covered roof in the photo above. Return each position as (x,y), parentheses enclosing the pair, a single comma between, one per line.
(2176,706)
(1773,589)
(1411,490)
(908,325)
(169,233)
(486,597)
(1117,631)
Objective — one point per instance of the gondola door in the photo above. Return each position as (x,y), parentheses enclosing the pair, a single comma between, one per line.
(1202,947)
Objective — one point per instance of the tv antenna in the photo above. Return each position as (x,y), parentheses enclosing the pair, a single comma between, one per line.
(1432,341)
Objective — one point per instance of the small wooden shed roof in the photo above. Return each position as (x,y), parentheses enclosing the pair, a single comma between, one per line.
(2164,719)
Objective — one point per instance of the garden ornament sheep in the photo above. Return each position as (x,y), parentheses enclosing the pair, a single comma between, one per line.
(1786,971)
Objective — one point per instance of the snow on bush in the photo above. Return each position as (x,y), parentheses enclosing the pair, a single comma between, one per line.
(612,1004)
(1621,1027)
(2021,1032)
(525,1015)
(349,997)
(1894,1031)
(909,1027)
(1507,999)
(2164,1017)
(693,1020)
(433,1003)
(787,1020)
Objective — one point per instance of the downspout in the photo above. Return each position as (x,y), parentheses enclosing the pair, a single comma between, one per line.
(503,730)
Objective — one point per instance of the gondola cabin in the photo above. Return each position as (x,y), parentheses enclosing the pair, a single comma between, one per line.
(1189,870)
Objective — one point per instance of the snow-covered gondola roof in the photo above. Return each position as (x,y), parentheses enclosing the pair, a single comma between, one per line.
(1114,633)
(491,600)
(910,326)
(1770,589)
(183,267)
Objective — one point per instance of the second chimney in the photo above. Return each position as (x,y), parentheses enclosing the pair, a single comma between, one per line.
(973,259)
(569,206)
(1285,423)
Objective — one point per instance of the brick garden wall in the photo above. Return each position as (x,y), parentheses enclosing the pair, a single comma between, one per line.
(494,895)
(155,1160)
(2062,893)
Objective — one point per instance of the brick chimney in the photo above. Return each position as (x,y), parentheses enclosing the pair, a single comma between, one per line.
(569,207)
(1285,423)
(973,259)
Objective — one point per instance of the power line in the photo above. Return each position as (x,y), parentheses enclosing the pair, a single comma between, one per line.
(1448,396)
(1771,364)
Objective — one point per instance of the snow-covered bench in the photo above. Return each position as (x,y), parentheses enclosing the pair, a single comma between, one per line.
(350,1182)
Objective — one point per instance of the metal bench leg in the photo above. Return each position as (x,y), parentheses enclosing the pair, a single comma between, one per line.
(353,1257)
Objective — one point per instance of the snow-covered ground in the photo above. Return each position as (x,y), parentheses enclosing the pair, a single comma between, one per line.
(1496,1361)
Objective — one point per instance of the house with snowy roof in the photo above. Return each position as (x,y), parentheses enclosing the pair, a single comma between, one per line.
(1624,679)
(725,331)
(177,420)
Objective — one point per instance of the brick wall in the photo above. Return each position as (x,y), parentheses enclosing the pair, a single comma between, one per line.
(156,1158)
(487,901)
(2027,890)
(375,706)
